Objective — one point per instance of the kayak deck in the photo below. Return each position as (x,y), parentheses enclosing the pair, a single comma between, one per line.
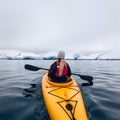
(63,100)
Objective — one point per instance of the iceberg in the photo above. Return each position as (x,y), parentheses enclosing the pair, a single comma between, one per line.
(72,55)
(17,55)
(52,55)
(3,57)
(114,55)
(27,56)
(91,56)
(8,54)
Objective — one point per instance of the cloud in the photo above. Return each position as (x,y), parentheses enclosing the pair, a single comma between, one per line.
(52,25)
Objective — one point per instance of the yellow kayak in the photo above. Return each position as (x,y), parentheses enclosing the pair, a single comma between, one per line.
(63,100)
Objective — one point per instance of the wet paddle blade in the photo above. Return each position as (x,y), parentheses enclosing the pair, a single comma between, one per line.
(31,67)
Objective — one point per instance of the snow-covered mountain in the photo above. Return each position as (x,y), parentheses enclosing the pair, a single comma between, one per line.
(17,55)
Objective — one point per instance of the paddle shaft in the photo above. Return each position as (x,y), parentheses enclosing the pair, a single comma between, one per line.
(34,68)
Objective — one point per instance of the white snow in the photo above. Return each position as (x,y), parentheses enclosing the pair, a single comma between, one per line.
(111,55)
(13,54)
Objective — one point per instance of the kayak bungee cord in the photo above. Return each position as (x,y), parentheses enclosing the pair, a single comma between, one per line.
(68,106)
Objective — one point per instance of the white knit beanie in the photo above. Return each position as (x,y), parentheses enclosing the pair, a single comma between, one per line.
(61,54)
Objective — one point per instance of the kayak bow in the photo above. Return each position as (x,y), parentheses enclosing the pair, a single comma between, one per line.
(63,100)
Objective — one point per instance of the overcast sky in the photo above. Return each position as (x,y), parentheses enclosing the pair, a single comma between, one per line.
(42,25)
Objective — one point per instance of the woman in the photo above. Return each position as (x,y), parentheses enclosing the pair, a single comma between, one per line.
(60,70)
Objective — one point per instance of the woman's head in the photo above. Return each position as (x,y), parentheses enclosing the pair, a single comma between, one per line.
(61,55)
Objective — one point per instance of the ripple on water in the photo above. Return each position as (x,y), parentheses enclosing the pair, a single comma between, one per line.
(21,95)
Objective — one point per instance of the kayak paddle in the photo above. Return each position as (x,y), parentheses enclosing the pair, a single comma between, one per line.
(33,68)
(84,77)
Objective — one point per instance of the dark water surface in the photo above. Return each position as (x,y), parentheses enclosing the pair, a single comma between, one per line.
(21,96)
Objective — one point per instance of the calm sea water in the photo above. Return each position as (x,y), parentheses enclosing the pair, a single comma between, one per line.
(21,96)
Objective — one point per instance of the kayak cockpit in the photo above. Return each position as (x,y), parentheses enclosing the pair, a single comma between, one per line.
(61,84)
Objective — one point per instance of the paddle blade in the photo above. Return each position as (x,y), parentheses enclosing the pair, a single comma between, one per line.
(87,84)
(86,77)
(31,67)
